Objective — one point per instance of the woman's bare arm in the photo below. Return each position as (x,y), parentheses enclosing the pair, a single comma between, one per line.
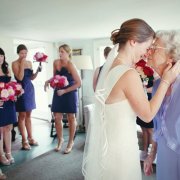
(134,92)
(18,69)
(34,75)
(129,87)
(77,80)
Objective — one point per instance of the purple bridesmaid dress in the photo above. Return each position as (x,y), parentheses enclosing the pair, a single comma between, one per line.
(8,111)
(26,102)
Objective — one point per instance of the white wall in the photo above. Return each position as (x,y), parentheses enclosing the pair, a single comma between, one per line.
(6,43)
(96,44)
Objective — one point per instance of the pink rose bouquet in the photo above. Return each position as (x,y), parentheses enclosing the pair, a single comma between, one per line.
(58,82)
(10,91)
(40,57)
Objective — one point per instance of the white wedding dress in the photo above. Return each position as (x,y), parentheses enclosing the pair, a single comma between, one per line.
(112,152)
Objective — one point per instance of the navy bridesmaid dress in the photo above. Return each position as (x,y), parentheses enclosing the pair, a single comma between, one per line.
(8,111)
(26,102)
(68,102)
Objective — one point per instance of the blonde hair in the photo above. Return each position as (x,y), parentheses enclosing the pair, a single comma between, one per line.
(171,40)
(67,49)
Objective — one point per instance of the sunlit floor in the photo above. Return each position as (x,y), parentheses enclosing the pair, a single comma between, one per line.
(41,130)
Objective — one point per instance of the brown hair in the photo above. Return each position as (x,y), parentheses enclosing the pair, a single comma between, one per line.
(106,51)
(66,48)
(135,29)
(21,47)
(4,66)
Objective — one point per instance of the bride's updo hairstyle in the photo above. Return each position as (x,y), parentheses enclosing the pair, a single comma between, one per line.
(133,29)
(171,40)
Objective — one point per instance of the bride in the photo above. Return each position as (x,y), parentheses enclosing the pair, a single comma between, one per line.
(111,149)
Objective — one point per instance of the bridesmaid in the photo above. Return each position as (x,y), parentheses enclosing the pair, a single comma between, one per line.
(23,72)
(7,116)
(65,100)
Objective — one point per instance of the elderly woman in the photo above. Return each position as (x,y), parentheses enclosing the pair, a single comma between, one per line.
(165,50)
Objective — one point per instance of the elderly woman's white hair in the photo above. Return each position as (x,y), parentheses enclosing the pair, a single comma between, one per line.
(171,40)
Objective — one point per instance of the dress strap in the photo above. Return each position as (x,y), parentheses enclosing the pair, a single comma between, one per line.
(112,78)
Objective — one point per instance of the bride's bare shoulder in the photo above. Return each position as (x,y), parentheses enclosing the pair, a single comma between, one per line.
(130,78)
(131,74)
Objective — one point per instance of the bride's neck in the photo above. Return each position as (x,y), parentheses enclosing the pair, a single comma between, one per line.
(125,58)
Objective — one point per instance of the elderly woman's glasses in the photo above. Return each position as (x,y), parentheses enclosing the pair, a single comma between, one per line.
(153,49)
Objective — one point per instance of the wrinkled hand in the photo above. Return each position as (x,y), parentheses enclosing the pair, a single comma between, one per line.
(148,169)
(61,92)
(46,85)
(170,73)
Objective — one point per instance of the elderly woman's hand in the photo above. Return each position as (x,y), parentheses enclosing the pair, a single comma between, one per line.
(148,169)
(170,73)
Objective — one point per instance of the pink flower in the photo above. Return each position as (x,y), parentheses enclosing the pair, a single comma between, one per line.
(59,82)
(16,87)
(40,57)
(10,91)
(57,77)
(4,95)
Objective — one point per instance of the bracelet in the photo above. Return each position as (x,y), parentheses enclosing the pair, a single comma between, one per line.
(166,82)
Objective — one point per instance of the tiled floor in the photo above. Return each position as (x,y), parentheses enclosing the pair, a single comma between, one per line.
(41,131)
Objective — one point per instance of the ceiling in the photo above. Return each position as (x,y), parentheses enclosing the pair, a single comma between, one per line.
(56,20)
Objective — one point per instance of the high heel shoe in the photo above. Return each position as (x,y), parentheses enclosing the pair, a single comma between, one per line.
(25,146)
(10,158)
(69,148)
(32,142)
(59,145)
(4,160)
